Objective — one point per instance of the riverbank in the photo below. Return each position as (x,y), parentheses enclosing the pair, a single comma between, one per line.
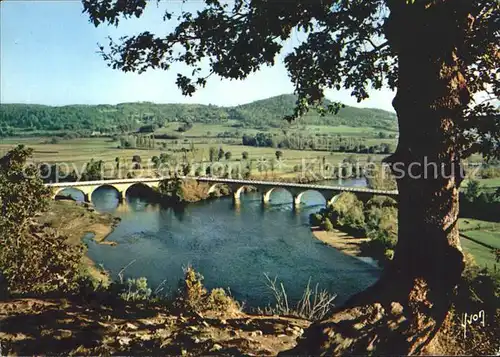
(343,242)
(74,220)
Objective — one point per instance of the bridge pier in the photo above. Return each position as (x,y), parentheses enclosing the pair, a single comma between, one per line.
(122,196)
(265,198)
(296,201)
(86,197)
(236,198)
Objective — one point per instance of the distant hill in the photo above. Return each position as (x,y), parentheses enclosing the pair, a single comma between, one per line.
(270,110)
(28,119)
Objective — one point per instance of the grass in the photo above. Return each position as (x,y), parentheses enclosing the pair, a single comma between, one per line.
(80,151)
(467,224)
(483,256)
(348,130)
(490,183)
(480,232)
(489,237)
(201,130)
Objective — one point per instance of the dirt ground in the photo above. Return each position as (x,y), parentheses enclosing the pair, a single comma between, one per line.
(69,327)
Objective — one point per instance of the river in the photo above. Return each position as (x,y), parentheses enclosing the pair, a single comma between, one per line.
(232,247)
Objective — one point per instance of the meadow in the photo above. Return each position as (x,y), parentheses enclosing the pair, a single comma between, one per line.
(80,151)
(475,235)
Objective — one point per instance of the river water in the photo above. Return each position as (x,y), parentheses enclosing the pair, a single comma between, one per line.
(232,247)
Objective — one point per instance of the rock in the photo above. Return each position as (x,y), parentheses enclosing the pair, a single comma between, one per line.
(233,333)
(396,308)
(256,333)
(291,332)
(216,347)
(66,333)
(193,328)
(123,340)
(223,322)
(358,326)
(204,323)
(131,326)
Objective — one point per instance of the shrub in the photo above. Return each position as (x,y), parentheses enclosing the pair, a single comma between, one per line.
(193,297)
(137,290)
(327,225)
(348,211)
(219,301)
(191,294)
(33,259)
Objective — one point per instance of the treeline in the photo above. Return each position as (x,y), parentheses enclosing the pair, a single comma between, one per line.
(318,142)
(137,142)
(28,119)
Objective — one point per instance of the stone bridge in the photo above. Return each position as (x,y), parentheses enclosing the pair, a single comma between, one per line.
(237,186)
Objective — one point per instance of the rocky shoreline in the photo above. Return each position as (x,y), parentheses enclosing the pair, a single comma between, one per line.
(74,220)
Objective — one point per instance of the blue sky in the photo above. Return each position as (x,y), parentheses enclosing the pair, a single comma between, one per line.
(49,56)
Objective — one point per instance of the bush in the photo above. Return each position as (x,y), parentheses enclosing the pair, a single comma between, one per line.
(137,290)
(193,297)
(327,225)
(348,212)
(33,259)
(191,294)
(219,301)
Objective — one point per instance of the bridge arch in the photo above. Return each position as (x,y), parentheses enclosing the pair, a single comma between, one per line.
(266,195)
(299,198)
(241,189)
(214,186)
(333,199)
(136,185)
(106,186)
(60,192)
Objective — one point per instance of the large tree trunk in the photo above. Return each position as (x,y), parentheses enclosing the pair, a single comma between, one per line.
(402,312)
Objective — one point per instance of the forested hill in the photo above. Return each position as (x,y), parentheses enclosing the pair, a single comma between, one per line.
(267,110)
(23,119)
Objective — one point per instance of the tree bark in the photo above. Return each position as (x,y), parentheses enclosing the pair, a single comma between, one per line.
(402,312)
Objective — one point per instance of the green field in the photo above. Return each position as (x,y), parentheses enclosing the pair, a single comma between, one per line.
(480,232)
(490,183)
(79,151)
(348,130)
(211,130)
(483,256)
(467,224)
(485,236)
